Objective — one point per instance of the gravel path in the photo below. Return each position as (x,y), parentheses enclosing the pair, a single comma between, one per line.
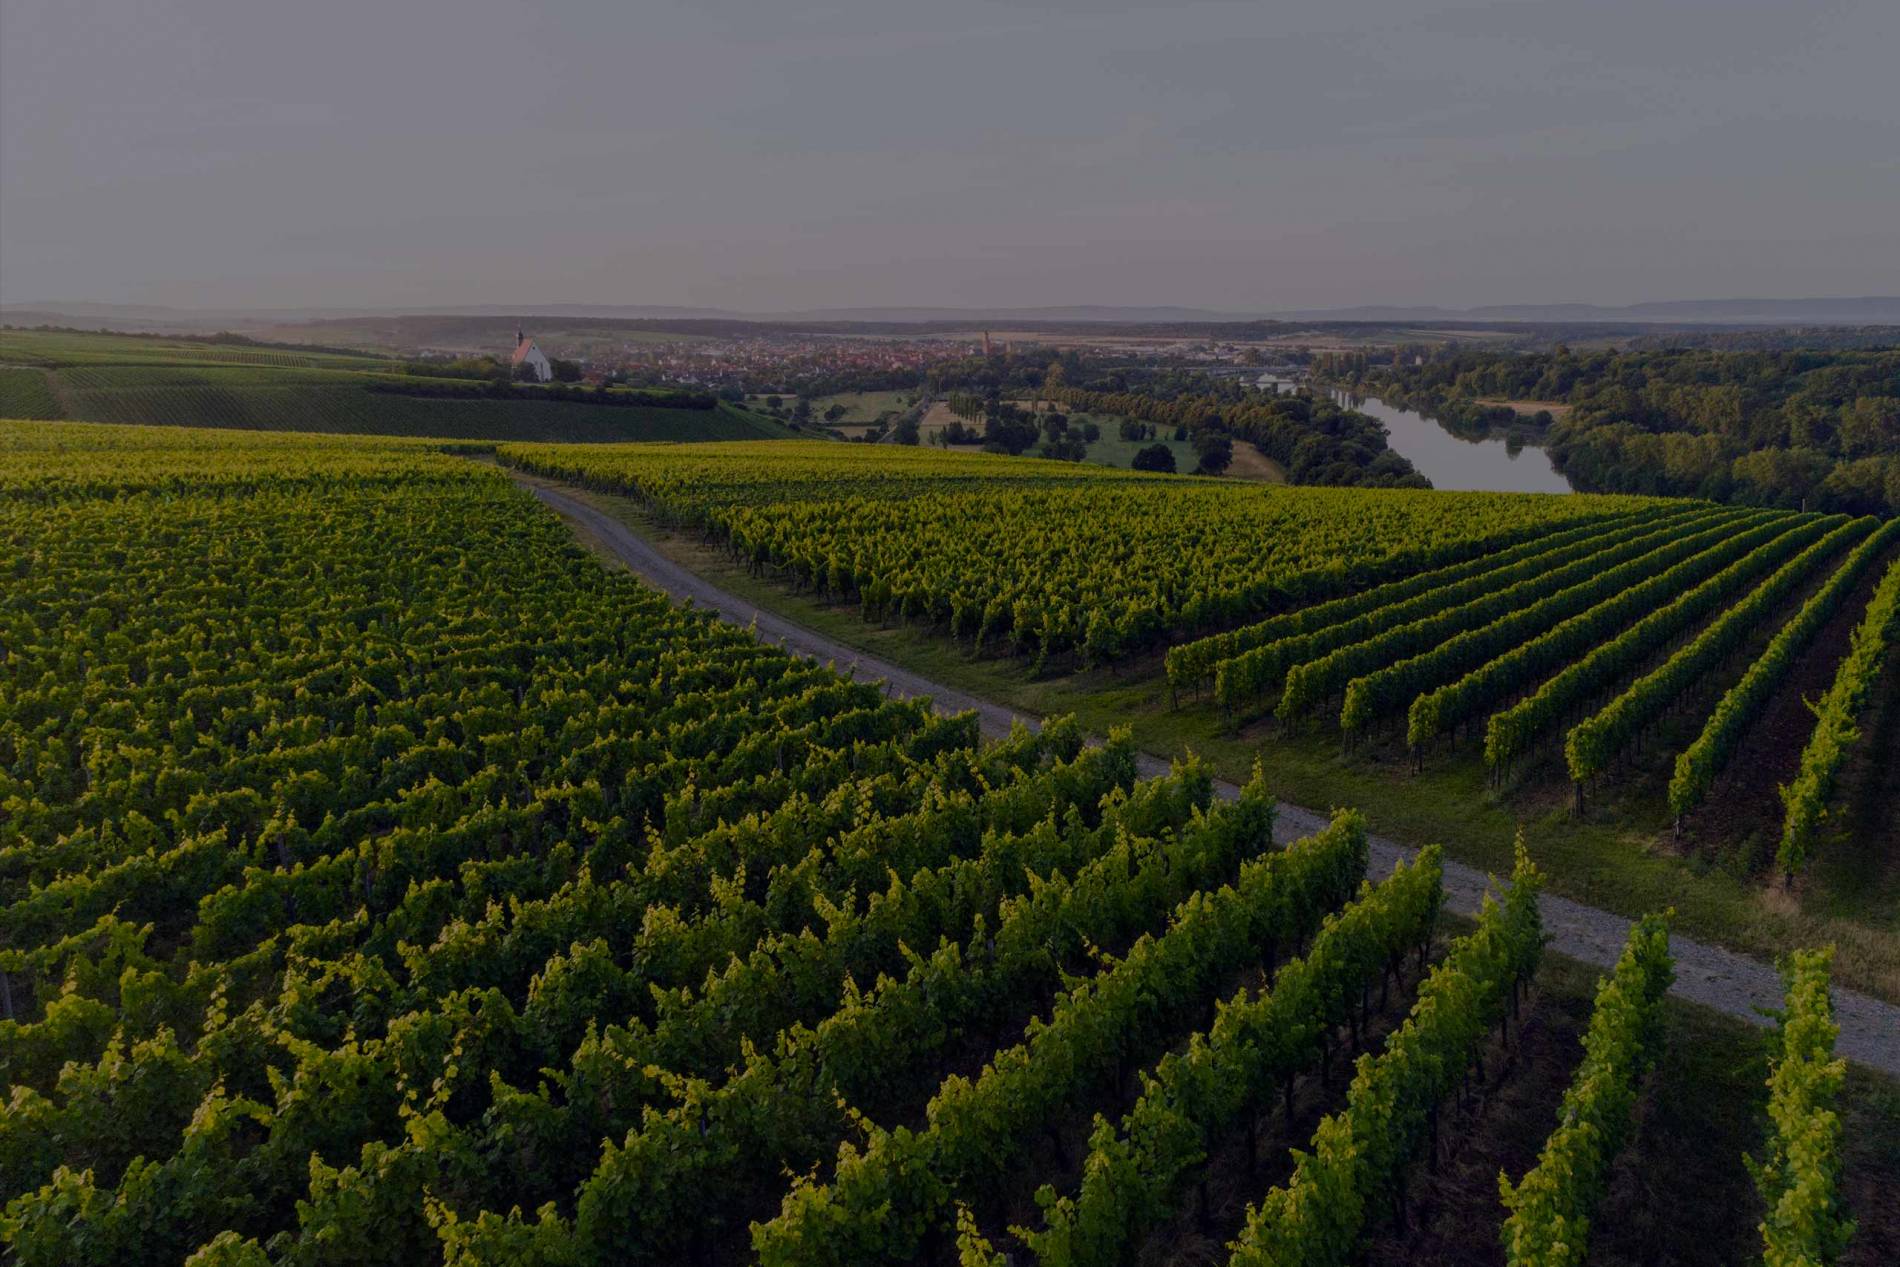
(1728,982)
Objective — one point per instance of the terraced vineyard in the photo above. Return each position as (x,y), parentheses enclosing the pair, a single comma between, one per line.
(387,882)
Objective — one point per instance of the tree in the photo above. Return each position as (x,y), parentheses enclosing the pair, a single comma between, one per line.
(1216,450)
(1156,457)
(565,371)
(835,411)
(1871,425)
(1064,448)
(1090,433)
(801,412)
(1009,431)
(1135,429)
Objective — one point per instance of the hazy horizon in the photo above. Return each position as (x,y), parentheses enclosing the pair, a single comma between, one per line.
(1234,157)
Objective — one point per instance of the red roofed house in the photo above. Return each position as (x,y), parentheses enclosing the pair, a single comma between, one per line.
(526,353)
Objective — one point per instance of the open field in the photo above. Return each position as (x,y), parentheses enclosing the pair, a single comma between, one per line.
(1251,464)
(53,349)
(185,383)
(1111,450)
(862,407)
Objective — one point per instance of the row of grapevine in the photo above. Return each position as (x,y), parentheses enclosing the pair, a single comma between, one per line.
(1245,679)
(886,1201)
(783,979)
(559,1126)
(690,1173)
(1593,661)
(1699,764)
(1515,650)
(1050,558)
(1360,1154)
(1556,593)
(1594,652)
(695,910)
(964,844)
(1798,1175)
(1190,666)
(563,1001)
(1550,1207)
(354,816)
(1228,1074)
(484,946)
(1835,727)
(1512,731)
(1595,741)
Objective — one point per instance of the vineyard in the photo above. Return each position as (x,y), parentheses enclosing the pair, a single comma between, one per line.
(1050,559)
(1582,643)
(101,378)
(388,882)
(1546,639)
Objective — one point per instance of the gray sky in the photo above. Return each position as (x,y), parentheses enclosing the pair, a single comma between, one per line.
(777,154)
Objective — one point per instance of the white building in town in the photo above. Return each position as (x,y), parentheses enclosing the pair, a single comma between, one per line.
(526,353)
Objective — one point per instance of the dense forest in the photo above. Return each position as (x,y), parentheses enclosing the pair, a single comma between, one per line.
(1816,428)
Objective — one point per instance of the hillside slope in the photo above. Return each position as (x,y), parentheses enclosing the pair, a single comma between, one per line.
(161,382)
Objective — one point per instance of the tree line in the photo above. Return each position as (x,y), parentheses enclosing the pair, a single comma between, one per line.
(1814,428)
(501,389)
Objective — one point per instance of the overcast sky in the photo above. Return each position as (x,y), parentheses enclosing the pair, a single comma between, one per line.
(775,154)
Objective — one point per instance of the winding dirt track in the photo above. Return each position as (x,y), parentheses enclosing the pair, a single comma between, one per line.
(1709,975)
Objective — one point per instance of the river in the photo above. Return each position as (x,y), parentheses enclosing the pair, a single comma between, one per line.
(1451,462)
